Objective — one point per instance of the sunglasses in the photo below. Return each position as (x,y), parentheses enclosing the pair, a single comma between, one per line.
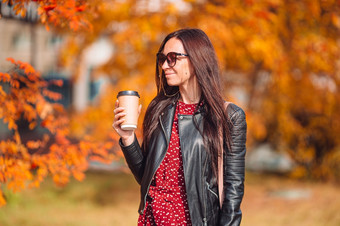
(170,58)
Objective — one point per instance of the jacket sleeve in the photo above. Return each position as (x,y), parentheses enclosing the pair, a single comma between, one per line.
(134,158)
(234,169)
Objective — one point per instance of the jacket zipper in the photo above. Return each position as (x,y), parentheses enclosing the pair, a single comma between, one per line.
(211,190)
(204,198)
(160,120)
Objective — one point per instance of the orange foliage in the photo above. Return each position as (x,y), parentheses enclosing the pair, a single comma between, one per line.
(283,56)
(26,164)
(59,13)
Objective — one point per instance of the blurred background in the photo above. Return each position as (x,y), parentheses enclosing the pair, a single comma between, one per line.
(62,64)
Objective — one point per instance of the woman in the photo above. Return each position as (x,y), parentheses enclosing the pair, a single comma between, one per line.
(185,128)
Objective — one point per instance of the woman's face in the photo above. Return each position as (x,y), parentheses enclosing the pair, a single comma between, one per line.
(182,73)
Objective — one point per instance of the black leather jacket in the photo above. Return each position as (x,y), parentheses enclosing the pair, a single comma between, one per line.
(200,182)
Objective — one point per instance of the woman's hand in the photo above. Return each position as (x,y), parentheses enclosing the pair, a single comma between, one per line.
(126,135)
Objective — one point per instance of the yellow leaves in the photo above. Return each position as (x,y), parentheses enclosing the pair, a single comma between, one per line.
(314,9)
(9,147)
(257,127)
(298,172)
(336,20)
(315,52)
(16,173)
(62,178)
(260,49)
(277,35)
(19,168)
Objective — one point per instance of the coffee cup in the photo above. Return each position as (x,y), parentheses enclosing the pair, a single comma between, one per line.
(129,100)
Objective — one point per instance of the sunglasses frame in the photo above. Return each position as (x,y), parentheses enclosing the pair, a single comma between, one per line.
(167,58)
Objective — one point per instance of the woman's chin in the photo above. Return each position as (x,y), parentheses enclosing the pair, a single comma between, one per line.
(172,82)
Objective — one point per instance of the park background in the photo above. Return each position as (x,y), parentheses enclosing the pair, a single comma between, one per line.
(62,64)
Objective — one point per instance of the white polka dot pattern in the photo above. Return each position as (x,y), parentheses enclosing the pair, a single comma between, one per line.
(167,201)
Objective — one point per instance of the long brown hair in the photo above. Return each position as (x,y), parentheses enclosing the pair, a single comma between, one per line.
(204,61)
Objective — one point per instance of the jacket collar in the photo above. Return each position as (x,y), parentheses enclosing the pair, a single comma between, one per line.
(167,116)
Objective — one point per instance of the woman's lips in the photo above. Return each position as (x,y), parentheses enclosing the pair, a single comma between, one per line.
(168,74)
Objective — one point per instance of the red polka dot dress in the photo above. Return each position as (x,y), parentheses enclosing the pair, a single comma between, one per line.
(167,201)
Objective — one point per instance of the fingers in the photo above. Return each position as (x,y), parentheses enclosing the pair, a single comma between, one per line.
(119,115)
(118,110)
(116,124)
(118,118)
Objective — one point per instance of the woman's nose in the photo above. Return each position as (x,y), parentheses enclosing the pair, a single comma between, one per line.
(165,65)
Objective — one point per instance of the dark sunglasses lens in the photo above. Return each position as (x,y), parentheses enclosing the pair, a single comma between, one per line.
(161,59)
(171,58)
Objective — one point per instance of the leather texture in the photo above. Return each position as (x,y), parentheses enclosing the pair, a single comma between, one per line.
(200,181)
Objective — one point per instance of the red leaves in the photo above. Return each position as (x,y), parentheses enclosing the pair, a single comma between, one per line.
(81,8)
(47,8)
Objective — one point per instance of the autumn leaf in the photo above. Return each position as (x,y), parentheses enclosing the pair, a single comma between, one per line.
(5,77)
(81,8)
(61,139)
(47,8)
(57,82)
(33,144)
(52,95)
(15,84)
(11,60)
(2,199)
(280,56)
(12,124)
(78,175)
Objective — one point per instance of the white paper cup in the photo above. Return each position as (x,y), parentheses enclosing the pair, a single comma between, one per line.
(129,100)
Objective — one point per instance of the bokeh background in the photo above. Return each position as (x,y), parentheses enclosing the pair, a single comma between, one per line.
(62,64)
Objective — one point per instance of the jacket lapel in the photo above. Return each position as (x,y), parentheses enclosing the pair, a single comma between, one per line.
(166,120)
